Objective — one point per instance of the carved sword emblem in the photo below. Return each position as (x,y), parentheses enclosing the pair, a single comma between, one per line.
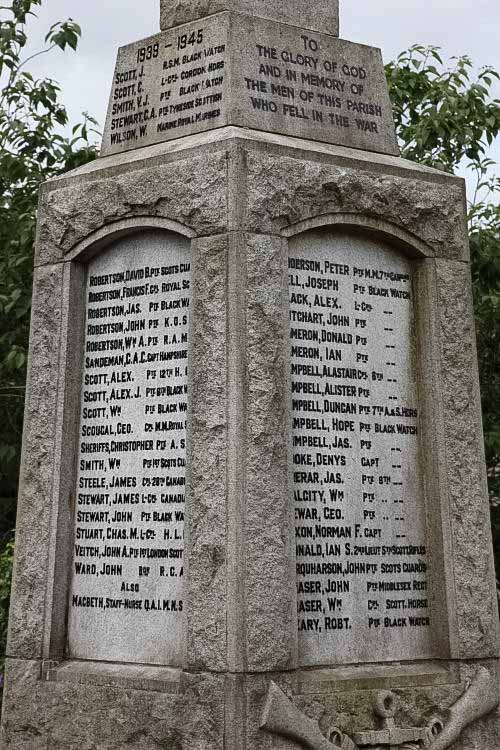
(282,718)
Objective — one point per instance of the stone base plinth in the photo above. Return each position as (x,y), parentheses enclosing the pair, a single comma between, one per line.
(78,705)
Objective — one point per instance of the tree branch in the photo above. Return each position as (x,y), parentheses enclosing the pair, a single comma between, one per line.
(32,57)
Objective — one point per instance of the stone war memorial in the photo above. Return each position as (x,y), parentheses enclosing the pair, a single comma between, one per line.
(253,511)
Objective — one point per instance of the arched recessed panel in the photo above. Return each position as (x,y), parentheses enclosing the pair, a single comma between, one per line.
(126,601)
(355,455)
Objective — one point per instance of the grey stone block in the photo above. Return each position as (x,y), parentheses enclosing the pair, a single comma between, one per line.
(65,450)
(318,88)
(191,192)
(272,184)
(323,16)
(184,712)
(254,73)
(436,215)
(207,495)
(334,700)
(26,622)
(472,562)
(269,547)
(63,714)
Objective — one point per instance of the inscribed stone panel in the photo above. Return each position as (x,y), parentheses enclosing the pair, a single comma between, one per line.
(232,69)
(356,477)
(126,601)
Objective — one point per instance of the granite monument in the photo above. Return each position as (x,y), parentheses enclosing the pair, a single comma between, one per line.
(253,511)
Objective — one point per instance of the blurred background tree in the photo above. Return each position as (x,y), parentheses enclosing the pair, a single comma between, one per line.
(446,117)
(33,148)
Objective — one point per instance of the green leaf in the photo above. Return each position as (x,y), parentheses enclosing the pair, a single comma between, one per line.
(34,148)
(443,116)
(64,34)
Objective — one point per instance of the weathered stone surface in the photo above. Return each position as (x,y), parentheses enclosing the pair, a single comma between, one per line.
(286,185)
(67,716)
(322,89)
(283,191)
(241,598)
(162,260)
(255,74)
(363,294)
(270,596)
(36,478)
(350,708)
(321,16)
(169,86)
(66,439)
(207,458)
(245,71)
(191,192)
(472,564)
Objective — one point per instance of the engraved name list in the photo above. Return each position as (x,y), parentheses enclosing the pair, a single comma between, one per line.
(128,549)
(361,556)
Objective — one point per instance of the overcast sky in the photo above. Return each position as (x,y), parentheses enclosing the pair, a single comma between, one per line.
(458,26)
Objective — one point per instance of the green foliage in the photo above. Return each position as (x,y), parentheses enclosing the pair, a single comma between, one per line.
(32,150)
(6,558)
(445,118)
(64,34)
(485,248)
(442,115)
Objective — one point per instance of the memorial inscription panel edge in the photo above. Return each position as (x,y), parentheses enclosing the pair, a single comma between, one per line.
(80,257)
(421,258)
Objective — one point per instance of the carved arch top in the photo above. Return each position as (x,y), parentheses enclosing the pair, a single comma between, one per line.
(104,236)
(401,238)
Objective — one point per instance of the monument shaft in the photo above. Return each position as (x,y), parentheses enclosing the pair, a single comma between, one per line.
(322,16)
(253,508)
